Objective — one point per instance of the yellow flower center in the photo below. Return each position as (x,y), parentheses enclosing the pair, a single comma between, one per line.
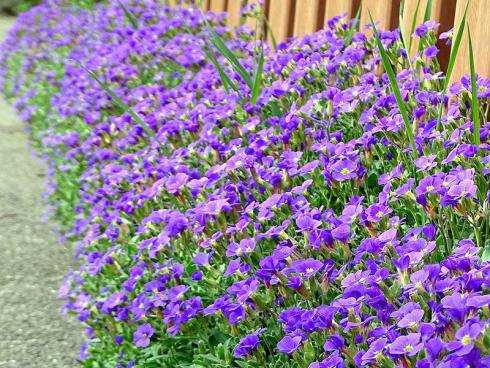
(309,270)
(379,214)
(408,348)
(466,340)
(430,188)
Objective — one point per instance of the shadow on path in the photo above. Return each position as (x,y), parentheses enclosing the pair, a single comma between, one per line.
(33,333)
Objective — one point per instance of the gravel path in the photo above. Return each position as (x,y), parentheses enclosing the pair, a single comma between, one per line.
(33,333)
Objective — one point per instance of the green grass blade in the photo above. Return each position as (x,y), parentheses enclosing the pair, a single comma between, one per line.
(125,107)
(131,18)
(394,86)
(474,96)
(427,13)
(452,60)
(403,36)
(412,28)
(230,56)
(428,10)
(270,32)
(257,86)
(354,26)
(227,82)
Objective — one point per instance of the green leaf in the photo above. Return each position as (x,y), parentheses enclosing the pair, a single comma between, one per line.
(427,13)
(224,77)
(412,28)
(403,36)
(353,27)
(474,96)
(230,56)
(257,86)
(428,10)
(452,60)
(131,18)
(394,86)
(126,108)
(486,254)
(270,32)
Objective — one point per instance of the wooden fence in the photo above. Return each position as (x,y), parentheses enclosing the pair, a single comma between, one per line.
(298,17)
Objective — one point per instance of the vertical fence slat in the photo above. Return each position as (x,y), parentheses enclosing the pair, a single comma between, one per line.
(409,9)
(204,5)
(478,14)
(217,6)
(339,7)
(384,11)
(442,11)
(252,22)
(234,7)
(281,13)
(306,17)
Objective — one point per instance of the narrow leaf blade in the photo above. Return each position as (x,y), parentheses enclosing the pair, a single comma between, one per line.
(452,61)
(129,16)
(258,79)
(394,85)
(474,95)
(230,56)
(123,106)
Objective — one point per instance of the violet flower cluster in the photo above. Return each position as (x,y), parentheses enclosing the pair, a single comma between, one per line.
(299,231)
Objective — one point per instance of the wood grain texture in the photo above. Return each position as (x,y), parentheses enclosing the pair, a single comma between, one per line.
(383,11)
(442,11)
(339,7)
(252,22)
(281,17)
(479,24)
(306,17)
(299,17)
(234,7)
(217,6)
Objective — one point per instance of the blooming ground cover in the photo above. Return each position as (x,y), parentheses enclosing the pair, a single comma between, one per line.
(307,226)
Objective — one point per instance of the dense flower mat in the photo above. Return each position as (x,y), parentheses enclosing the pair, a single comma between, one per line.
(299,231)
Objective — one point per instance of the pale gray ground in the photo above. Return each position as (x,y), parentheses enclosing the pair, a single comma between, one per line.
(33,333)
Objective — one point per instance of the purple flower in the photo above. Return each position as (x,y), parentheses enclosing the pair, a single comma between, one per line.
(374,349)
(248,344)
(174,183)
(202,259)
(376,212)
(425,163)
(431,52)
(411,319)
(142,335)
(465,189)
(246,246)
(406,345)
(344,170)
(304,267)
(429,184)
(289,344)
(307,223)
(465,337)
(341,233)
(334,342)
